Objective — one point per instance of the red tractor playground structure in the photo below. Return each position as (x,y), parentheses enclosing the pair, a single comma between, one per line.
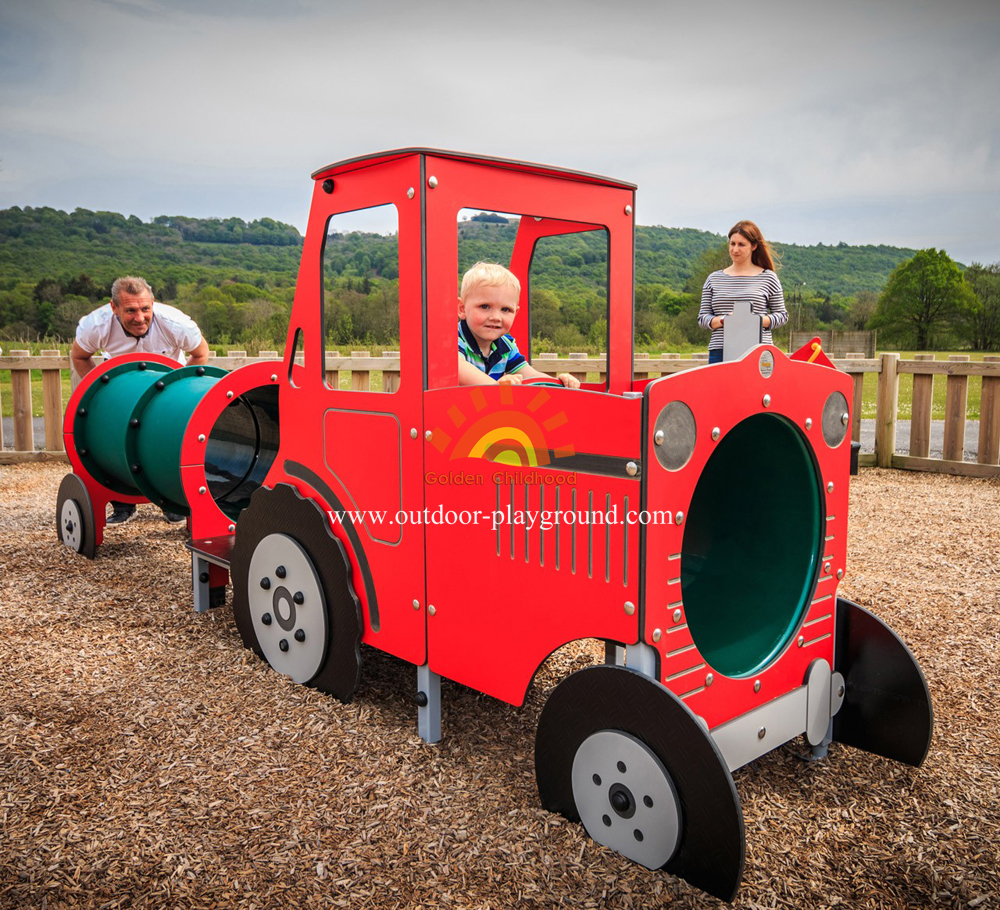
(696,523)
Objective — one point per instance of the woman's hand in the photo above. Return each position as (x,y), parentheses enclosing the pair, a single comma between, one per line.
(716,322)
(766,322)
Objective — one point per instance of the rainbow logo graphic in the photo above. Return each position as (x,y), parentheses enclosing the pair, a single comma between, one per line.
(520,438)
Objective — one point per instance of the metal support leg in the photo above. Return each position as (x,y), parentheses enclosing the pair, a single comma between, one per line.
(614,654)
(200,575)
(428,705)
(642,658)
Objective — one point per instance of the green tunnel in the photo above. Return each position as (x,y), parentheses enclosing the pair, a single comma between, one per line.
(130,425)
(752,545)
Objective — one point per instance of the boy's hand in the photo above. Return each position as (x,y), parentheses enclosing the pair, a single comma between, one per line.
(510,379)
(570,382)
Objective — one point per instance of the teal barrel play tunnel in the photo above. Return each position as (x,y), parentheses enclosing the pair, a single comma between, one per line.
(130,424)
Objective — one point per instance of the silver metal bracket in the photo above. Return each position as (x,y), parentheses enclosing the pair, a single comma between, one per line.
(428,704)
(199,570)
(643,659)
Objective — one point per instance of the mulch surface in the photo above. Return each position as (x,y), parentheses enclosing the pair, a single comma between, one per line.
(148,760)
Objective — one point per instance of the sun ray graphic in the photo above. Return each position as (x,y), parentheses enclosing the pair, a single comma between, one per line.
(522,438)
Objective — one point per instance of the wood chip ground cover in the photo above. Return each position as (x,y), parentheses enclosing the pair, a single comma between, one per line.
(148,760)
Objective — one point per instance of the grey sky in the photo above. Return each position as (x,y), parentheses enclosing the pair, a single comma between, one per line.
(867,122)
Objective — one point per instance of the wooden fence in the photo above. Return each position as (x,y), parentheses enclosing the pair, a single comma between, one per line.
(363,371)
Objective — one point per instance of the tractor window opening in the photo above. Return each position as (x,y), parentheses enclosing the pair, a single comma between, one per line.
(562,268)
(360,300)
(752,547)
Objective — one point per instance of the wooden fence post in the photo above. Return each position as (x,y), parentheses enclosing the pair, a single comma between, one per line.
(989,418)
(390,378)
(920,417)
(955,404)
(20,392)
(886,407)
(360,378)
(52,408)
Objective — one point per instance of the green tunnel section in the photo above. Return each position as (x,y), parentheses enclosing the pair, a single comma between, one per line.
(130,424)
(752,545)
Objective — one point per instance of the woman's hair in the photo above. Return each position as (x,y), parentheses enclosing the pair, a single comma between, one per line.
(762,255)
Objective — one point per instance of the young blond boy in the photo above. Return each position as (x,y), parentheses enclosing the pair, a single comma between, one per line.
(487,352)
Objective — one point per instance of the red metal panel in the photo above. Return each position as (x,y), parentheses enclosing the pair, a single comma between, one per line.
(393,572)
(463,184)
(721,396)
(506,593)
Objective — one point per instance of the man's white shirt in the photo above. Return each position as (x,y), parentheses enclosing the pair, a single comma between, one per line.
(171,333)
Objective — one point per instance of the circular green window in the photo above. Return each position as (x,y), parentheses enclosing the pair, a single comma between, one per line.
(752,544)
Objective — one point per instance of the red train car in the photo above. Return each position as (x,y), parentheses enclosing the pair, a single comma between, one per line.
(696,523)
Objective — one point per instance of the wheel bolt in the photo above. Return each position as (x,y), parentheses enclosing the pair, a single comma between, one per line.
(265,582)
(280,572)
(298,597)
(300,634)
(266,619)
(283,644)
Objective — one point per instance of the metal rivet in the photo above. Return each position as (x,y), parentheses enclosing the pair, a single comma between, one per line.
(200,371)
(827,568)
(266,619)
(203,578)
(678,615)
(628,210)
(82,412)
(430,610)
(427,435)
(328,185)
(845,418)
(298,597)
(410,193)
(762,732)
(232,528)
(160,385)
(83,451)
(136,469)
(274,377)
(432,181)
(265,583)
(300,634)
(134,422)
(709,679)
(657,634)
(280,572)
(201,490)
(631,469)
(756,685)
(283,644)
(142,366)
(629,607)
(105,378)
(716,433)
(840,574)
(229,394)
(679,518)
(840,691)
(658,438)
(413,433)
(801,641)
(829,487)
(416,605)
(201,437)
(766,401)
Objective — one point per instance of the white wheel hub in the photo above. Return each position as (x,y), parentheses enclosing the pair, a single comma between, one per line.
(287,607)
(71,525)
(626,798)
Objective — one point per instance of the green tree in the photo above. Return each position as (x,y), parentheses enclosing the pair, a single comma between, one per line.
(925,299)
(983,325)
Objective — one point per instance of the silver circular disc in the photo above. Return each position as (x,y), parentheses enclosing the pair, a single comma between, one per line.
(626,798)
(301,660)
(834,428)
(680,434)
(71,525)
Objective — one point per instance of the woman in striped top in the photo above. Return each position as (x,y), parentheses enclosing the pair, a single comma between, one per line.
(750,277)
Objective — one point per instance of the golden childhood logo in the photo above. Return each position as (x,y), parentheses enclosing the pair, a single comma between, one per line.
(529,435)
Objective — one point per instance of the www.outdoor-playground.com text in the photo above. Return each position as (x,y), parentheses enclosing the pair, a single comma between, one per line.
(545,519)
